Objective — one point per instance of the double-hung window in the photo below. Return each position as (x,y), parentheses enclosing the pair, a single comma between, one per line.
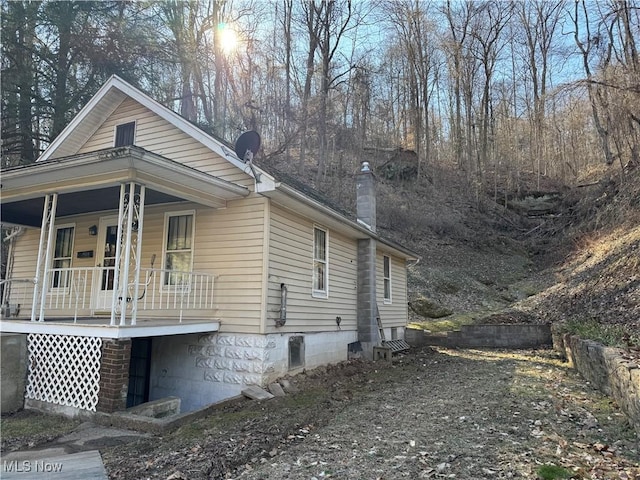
(386,275)
(62,255)
(178,257)
(320,263)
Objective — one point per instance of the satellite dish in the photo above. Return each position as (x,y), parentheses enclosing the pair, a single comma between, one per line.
(247,145)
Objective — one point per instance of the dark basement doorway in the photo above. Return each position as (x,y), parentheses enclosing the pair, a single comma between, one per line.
(139,371)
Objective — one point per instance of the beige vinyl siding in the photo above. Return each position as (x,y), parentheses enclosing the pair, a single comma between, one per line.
(228,242)
(24,267)
(159,136)
(394,314)
(291,263)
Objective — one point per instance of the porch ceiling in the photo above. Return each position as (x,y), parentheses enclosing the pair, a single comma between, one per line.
(29,212)
(90,182)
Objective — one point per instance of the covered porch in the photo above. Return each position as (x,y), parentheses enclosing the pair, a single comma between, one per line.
(112,290)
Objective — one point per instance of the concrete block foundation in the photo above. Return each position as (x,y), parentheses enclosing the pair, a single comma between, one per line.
(203,369)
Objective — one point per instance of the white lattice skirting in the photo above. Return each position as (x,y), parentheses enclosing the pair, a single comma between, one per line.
(64,370)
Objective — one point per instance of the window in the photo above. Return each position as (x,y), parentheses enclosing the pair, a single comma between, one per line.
(62,254)
(296,352)
(320,263)
(386,266)
(125,134)
(179,248)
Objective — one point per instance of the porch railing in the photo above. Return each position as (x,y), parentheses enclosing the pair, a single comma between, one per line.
(16,294)
(89,291)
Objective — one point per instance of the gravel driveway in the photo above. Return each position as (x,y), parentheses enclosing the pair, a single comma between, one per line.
(464,414)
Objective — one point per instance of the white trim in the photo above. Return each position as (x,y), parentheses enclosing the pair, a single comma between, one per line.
(165,230)
(141,329)
(266,251)
(387,300)
(51,290)
(314,292)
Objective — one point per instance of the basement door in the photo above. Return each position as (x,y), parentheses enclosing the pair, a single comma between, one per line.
(139,371)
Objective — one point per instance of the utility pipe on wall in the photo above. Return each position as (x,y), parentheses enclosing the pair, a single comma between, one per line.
(283,306)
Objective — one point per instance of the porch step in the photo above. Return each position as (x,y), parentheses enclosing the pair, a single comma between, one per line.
(395,346)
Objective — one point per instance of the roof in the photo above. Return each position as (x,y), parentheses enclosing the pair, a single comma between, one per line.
(105,102)
(279,185)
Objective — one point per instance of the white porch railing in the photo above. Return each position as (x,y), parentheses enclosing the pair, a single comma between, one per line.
(17,293)
(88,291)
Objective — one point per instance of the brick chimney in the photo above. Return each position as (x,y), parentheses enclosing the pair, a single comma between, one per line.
(366,197)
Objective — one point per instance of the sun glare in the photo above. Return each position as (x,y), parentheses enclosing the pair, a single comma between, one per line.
(228,38)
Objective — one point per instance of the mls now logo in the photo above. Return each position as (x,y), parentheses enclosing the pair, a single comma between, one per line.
(26,466)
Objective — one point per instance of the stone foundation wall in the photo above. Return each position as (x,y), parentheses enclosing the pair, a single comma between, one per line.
(607,370)
(14,371)
(485,336)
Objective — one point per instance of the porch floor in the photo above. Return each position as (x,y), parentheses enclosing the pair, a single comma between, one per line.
(100,327)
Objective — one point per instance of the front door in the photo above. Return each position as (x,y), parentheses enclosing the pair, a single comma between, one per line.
(106,258)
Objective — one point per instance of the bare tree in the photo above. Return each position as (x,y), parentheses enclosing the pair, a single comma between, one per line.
(416,34)
(539,20)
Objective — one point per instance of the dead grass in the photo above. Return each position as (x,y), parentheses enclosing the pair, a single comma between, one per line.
(453,322)
(29,428)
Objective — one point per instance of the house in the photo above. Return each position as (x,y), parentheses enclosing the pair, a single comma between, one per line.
(149,260)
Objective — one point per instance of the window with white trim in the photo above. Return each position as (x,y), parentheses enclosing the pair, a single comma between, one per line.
(62,255)
(125,134)
(386,275)
(178,257)
(320,263)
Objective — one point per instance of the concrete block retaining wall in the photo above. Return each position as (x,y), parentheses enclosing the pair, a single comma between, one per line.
(607,370)
(485,336)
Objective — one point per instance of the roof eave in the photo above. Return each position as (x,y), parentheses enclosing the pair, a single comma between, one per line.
(114,166)
(265,182)
(322,213)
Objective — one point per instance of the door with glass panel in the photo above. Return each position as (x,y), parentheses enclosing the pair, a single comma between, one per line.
(106,262)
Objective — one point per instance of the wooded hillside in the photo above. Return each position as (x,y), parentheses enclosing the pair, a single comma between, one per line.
(499,90)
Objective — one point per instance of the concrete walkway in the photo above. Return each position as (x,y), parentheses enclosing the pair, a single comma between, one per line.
(76,466)
(70,457)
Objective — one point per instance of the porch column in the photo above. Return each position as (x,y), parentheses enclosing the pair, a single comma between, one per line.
(44,256)
(116,273)
(123,286)
(128,250)
(137,219)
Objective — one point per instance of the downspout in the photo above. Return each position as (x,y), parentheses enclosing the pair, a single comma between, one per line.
(283,306)
(15,232)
